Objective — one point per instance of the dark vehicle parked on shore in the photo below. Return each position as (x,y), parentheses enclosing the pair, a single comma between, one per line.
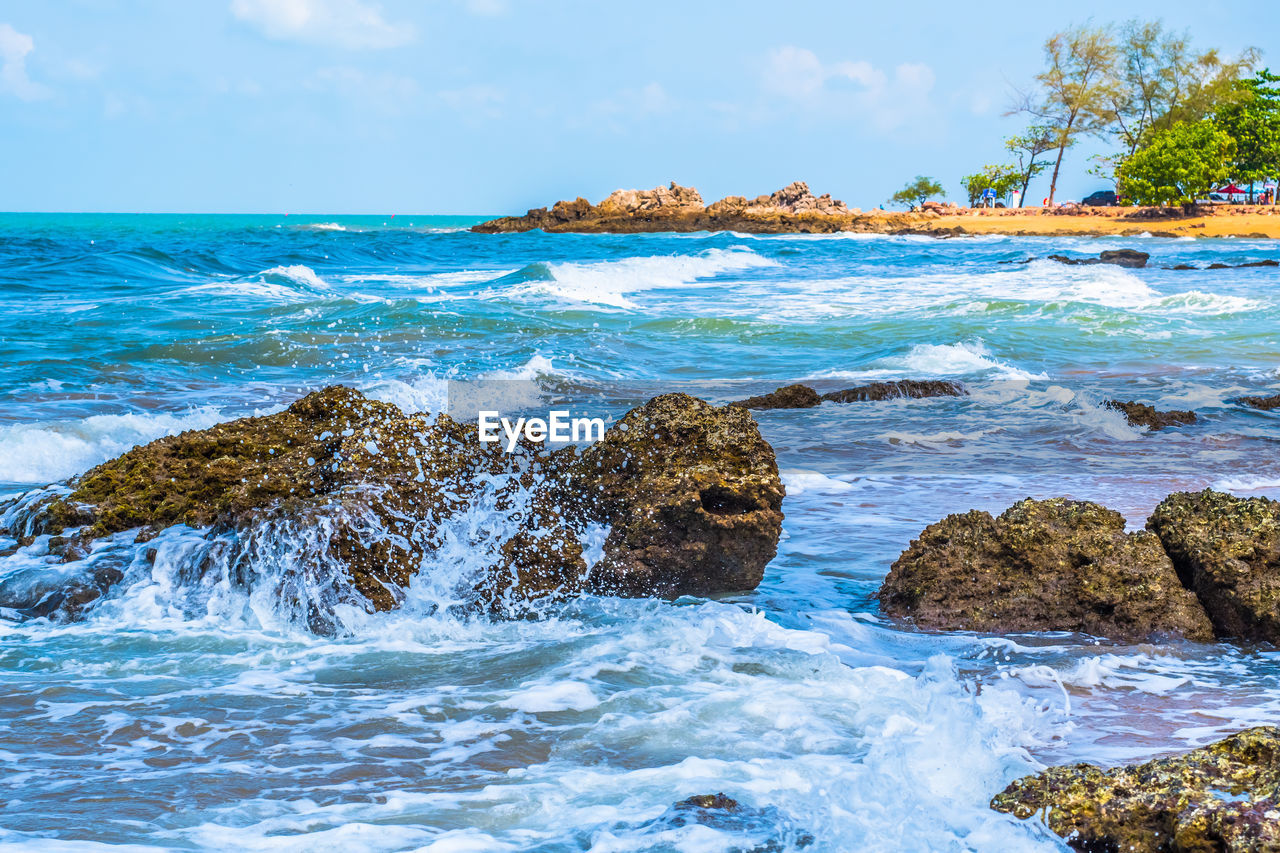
(1102,198)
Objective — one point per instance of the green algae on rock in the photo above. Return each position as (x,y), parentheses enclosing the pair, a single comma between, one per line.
(1052,565)
(363,491)
(1227,550)
(1222,798)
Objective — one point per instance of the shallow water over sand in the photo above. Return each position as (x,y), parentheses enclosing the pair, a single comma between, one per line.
(177,718)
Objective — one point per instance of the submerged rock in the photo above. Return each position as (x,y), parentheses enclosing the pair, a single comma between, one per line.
(787,397)
(363,497)
(1227,550)
(804,397)
(1053,565)
(764,830)
(1222,798)
(1116,257)
(911,388)
(1142,415)
(1266,404)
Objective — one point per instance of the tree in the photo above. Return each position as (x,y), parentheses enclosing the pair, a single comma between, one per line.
(1161,80)
(1177,165)
(1003,179)
(1252,120)
(1075,89)
(917,192)
(1026,149)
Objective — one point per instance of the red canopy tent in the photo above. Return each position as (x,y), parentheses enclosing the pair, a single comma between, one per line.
(1231,189)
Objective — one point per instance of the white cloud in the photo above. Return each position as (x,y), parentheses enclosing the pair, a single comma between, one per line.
(353,24)
(14,48)
(888,99)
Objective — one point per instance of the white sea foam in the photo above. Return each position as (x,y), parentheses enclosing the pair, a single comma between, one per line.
(609,282)
(425,393)
(43,452)
(798,482)
(928,360)
(280,283)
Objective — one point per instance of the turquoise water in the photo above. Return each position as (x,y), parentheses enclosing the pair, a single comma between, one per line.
(187,717)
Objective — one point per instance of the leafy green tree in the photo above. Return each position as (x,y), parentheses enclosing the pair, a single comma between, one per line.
(1253,121)
(1177,165)
(1075,91)
(1003,179)
(1161,79)
(1026,150)
(917,192)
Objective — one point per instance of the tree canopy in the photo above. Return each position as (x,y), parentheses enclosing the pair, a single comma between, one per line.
(1003,179)
(916,192)
(1178,165)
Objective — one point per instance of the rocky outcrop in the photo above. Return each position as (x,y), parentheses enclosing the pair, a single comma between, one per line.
(1142,415)
(1053,565)
(1222,798)
(1266,404)
(1116,257)
(793,208)
(690,493)
(804,397)
(1227,550)
(692,496)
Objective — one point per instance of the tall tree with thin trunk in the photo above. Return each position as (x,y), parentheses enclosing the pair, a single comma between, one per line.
(1027,149)
(1161,80)
(1075,89)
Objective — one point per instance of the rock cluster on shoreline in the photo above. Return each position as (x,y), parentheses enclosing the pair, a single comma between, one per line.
(689,494)
(794,209)
(675,208)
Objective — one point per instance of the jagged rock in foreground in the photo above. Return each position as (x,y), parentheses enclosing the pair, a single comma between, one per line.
(1053,565)
(1116,257)
(804,397)
(692,496)
(1266,404)
(1222,798)
(1142,415)
(1227,550)
(363,494)
(675,208)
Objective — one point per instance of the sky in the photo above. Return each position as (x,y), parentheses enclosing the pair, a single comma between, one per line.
(496,106)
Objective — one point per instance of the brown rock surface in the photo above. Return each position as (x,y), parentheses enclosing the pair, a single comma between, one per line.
(1140,414)
(1053,565)
(362,490)
(1222,798)
(1227,550)
(692,496)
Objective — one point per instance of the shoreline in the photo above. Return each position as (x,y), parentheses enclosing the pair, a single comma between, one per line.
(795,210)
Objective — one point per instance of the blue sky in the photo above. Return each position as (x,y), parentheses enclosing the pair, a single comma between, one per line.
(494,106)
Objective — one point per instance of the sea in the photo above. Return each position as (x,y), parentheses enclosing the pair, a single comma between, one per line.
(183,713)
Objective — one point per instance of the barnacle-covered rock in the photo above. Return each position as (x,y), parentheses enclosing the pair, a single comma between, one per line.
(691,494)
(1227,550)
(1222,798)
(1053,565)
(365,495)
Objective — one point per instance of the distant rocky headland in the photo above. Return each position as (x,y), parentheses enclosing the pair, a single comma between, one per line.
(794,209)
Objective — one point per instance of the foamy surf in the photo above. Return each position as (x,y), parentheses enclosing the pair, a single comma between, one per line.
(609,283)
